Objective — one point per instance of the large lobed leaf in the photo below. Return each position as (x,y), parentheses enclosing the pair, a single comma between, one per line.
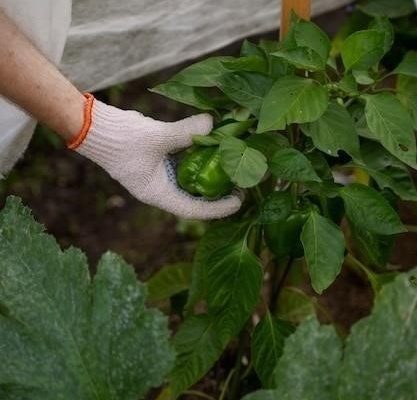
(308,367)
(65,337)
(379,360)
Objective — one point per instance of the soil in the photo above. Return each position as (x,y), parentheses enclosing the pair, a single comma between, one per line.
(81,206)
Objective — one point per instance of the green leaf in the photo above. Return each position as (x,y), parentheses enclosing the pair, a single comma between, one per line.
(253,63)
(302,58)
(169,280)
(218,235)
(374,249)
(294,305)
(292,100)
(348,85)
(277,67)
(308,47)
(292,165)
(334,131)
(307,34)
(232,128)
(251,49)
(267,346)
(380,353)
(320,165)
(388,8)
(408,66)
(275,208)
(384,25)
(62,334)
(362,77)
(247,89)
(359,199)
(198,347)
(363,49)
(237,114)
(357,111)
(204,73)
(391,124)
(245,166)
(203,140)
(267,143)
(324,247)
(353,22)
(224,129)
(407,94)
(191,96)
(309,365)
(388,171)
(234,281)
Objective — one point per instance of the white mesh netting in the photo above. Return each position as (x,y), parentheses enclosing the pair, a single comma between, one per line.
(112,41)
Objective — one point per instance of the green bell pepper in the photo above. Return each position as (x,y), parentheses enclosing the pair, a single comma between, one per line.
(283,238)
(200,173)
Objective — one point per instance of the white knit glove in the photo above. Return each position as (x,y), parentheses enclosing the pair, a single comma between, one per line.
(135,149)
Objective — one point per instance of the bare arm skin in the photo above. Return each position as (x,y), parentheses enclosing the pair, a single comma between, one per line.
(29,80)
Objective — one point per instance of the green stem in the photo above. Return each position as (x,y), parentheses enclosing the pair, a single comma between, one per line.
(257,196)
(294,194)
(384,90)
(235,380)
(360,268)
(226,385)
(411,228)
(278,284)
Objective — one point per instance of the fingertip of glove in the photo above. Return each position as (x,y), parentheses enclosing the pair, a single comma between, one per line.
(221,208)
(201,124)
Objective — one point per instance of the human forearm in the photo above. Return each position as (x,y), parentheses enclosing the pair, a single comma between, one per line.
(29,80)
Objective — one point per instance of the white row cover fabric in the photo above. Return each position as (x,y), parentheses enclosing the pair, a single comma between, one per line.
(112,41)
(46,23)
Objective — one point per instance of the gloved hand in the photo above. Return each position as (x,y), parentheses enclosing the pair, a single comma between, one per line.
(135,149)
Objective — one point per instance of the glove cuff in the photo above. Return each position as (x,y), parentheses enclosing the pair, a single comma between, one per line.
(79,138)
(103,135)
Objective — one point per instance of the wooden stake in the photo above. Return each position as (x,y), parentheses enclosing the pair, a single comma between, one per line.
(301,7)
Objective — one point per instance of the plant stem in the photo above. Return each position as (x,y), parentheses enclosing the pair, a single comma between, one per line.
(235,380)
(199,394)
(226,384)
(411,228)
(384,90)
(277,284)
(360,268)
(294,194)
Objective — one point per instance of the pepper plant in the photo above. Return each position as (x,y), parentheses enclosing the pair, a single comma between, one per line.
(321,144)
